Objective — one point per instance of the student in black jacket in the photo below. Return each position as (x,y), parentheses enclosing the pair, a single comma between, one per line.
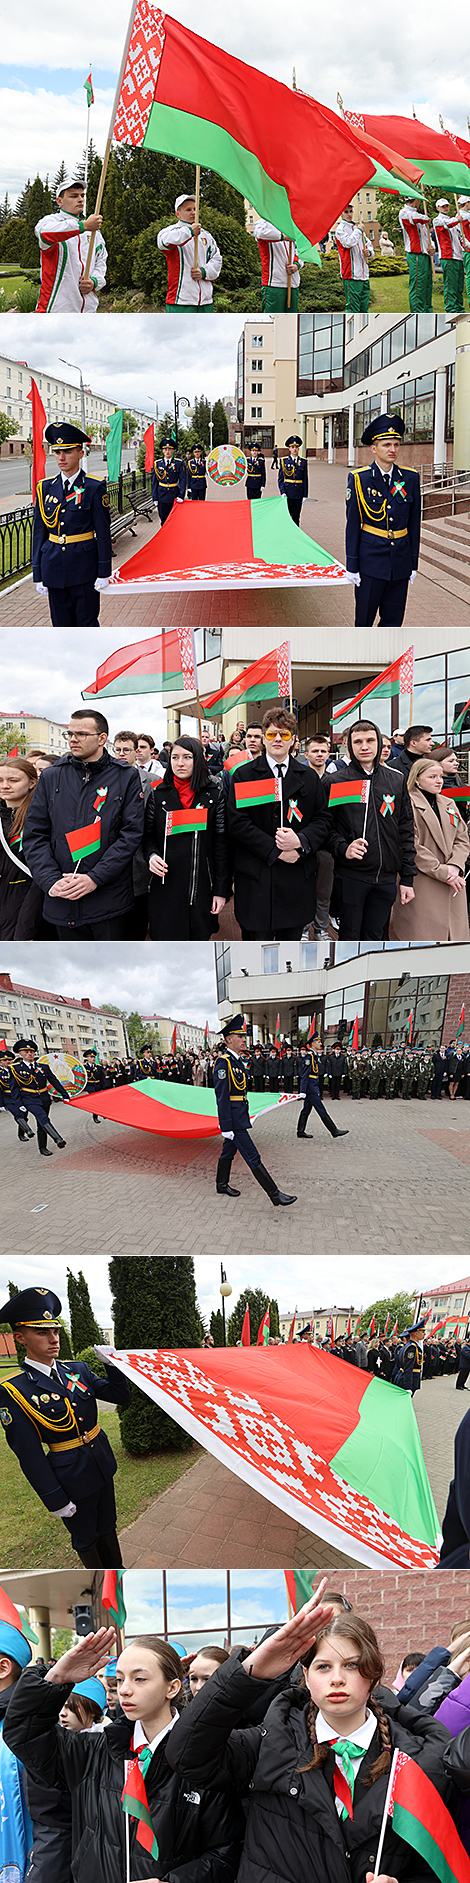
(275,842)
(86,789)
(189,874)
(372,843)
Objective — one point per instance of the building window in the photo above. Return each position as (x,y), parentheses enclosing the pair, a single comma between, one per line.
(271,959)
(309,955)
(257,340)
(223,969)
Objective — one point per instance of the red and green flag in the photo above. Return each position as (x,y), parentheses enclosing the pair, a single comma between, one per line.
(410,1026)
(395,680)
(312,1032)
(387,1324)
(149,442)
(461,1025)
(354,1035)
(458,721)
(112,1596)
(172,1042)
(186,97)
(84,842)
(15,1618)
(421,1818)
(456,791)
(263,1330)
(134,1801)
(291,1333)
(395,1328)
(443,161)
(113,446)
(39,423)
(14,750)
(246,1330)
(251,791)
(300,1585)
(236,758)
(206,1033)
(354,791)
(241,545)
(178,822)
(277,1035)
(88,88)
(371,1329)
(174,1111)
(164,664)
(266,679)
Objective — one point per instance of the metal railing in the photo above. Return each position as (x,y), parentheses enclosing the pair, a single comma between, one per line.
(16,528)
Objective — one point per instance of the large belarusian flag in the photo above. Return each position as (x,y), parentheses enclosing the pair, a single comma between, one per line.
(266,679)
(345,792)
(456,791)
(442,160)
(164,664)
(421,1818)
(182,95)
(174,1111)
(84,842)
(333,1446)
(178,822)
(257,791)
(228,545)
(396,679)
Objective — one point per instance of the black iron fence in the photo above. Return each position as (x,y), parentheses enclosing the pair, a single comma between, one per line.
(16,529)
(137,482)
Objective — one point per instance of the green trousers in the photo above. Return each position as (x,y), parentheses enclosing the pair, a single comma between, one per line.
(357,295)
(274,300)
(420,283)
(453,287)
(466,263)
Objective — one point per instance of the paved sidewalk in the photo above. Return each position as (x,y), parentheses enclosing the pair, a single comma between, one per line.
(429,601)
(147,1195)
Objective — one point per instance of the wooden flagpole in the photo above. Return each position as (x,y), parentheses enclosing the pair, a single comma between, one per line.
(199,713)
(109,140)
(289,277)
(197,194)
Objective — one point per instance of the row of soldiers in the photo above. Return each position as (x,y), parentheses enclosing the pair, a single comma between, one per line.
(367,1072)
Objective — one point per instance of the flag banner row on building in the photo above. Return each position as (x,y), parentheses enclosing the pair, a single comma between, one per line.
(173,1111)
(336,1449)
(222,545)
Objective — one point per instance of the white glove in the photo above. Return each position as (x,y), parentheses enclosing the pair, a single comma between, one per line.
(102,582)
(353,578)
(413,576)
(180,500)
(67,1511)
(228,1134)
(40,589)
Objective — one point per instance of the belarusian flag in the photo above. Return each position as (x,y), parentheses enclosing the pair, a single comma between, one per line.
(344,792)
(354,1035)
(461,1025)
(387,1323)
(421,1818)
(134,1801)
(188,98)
(88,88)
(456,791)
(14,1619)
(263,1330)
(246,1330)
(395,1328)
(84,842)
(206,1033)
(164,664)
(112,1596)
(371,1328)
(396,679)
(173,1038)
(113,446)
(442,163)
(330,1328)
(149,442)
(277,1035)
(177,822)
(312,1030)
(257,791)
(291,1333)
(14,750)
(236,758)
(348,1329)
(241,545)
(458,723)
(300,1586)
(410,1027)
(39,422)
(266,679)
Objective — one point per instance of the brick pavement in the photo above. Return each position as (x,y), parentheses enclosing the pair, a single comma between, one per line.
(430,602)
(146,1195)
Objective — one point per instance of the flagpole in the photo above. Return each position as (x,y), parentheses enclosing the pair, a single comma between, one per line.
(109,139)
(365,814)
(289,285)
(199,713)
(383,1826)
(197,197)
(86,148)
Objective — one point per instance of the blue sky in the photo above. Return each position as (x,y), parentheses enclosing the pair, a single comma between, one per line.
(198,1601)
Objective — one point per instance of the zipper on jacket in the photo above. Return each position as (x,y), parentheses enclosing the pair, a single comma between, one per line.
(193,877)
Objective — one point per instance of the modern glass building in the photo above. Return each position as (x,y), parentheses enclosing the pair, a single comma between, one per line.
(376,982)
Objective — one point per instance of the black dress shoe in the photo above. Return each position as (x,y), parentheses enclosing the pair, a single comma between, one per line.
(226,1189)
(282,1198)
(61,1144)
(304,1134)
(46,1153)
(341,1134)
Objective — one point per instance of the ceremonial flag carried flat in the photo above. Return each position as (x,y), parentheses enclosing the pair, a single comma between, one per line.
(263,1330)
(84,842)
(461,1026)
(177,822)
(246,545)
(112,1596)
(421,1818)
(246,1330)
(345,792)
(175,1111)
(257,791)
(186,97)
(395,680)
(39,424)
(164,664)
(458,722)
(266,679)
(442,162)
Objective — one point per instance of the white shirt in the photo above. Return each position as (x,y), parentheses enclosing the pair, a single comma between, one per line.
(275,767)
(363,1737)
(40,1367)
(140,1739)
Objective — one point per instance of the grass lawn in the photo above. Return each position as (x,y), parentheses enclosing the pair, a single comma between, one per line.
(31,1539)
(11,284)
(389,294)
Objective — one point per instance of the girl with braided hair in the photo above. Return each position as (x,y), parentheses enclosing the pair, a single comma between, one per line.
(313,1774)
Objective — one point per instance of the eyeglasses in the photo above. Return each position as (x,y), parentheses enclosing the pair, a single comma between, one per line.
(72,734)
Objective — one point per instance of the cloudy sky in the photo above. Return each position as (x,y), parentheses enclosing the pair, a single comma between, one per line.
(157,978)
(378,60)
(29,684)
(196,1601)
(134,359)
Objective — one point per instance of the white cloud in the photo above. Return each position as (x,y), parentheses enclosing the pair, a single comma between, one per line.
(41,128)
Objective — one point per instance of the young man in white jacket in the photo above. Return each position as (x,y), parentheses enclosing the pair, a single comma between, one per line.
(64,240)
(190,284)
(279,263)
(449,240)
(353,247)
(414,224)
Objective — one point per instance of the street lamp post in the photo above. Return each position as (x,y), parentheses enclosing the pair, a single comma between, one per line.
(77,369)
(225,1290)
(177,403)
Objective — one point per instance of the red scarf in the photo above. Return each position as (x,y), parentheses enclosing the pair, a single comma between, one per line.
(185,791)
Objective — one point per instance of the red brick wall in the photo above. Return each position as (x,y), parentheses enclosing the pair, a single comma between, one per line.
(459,990)
(409,1612)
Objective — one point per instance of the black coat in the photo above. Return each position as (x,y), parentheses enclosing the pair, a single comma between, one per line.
(180,910)
(390,838)
(50,1814)
(20,899)
(64,799)
(197,1831)
(293,1832)
(270,894)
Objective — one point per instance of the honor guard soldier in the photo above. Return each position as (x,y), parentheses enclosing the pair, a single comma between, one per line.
(292,477)
(417,244)
(353,247)
(234,1117)
(168,480)
(71,534)
(309,1091)
(96,1080)
(196,480)
(147,1066)
(190,282)
(33,1082)
(448,235)
(52,1402)
(64,240)
(10,1095)
(280,264)
(383,525)
(255,475)
(410,1359)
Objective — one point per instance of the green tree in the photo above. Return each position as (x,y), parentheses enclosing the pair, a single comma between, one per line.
(399,1307)
(219,424)
(65,1349)
(83,1326)
(39,204)
(12,241)
(140,1035)
(217,1328)
(154,1305)
(9,737)
(62,1640)
(388,207)
(257,1303)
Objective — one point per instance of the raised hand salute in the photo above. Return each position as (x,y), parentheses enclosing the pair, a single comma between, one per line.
(282,1650)
(86,1659)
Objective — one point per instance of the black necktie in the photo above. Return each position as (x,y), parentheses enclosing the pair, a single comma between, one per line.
(55,1375)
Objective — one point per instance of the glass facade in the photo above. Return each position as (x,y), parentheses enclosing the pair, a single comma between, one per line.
(208,643)
(223,970)
(442,688)
(383,1008)
(320,358)
(320,351)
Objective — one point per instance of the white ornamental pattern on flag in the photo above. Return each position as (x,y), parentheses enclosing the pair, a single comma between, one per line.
(283,669)
(140,75)
(187,649)
(407,671)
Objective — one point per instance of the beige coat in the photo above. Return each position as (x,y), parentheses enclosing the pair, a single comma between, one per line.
(435,915)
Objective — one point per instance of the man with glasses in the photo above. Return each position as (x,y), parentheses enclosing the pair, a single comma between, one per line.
(71,534)
(278,819)
(87,823)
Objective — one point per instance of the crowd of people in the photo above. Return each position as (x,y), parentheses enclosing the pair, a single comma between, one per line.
(229,1764)
(121,845)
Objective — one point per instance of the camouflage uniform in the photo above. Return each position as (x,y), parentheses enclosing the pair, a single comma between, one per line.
(376,1074)
(391,1073)
(425,1074)
(408,1070)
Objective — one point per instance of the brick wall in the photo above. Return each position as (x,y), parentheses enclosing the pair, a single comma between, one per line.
(459,990)
(409,1612)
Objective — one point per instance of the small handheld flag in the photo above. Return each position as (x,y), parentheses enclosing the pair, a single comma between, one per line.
(263,1330)
(345,792)
(257,791)
(421,1818)
(179,822)
(84,842)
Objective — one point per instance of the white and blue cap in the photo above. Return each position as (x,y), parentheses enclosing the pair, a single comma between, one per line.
(92,1690)
(14,1644)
